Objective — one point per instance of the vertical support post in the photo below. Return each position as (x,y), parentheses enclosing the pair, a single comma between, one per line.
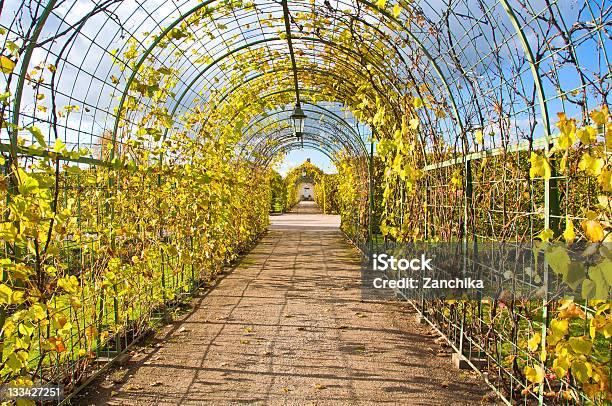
(426,208)
(116,319)
(324,203)
(551,204)
(371,196)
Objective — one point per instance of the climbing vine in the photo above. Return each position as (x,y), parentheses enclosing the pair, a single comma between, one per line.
(99,233)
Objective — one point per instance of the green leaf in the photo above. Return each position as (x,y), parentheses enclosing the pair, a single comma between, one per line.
(588,289)
(575,275)
(558,259)
(28,186)
(581,371)
(35,131)
(581,345)
(601,275)
(13,362)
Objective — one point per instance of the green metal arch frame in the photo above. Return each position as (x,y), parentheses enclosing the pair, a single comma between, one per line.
(246,46)
(301,90)
(25,62)
(325,112)
(254,77)
(280,133)
(41,22)
(164,33)
(341,142)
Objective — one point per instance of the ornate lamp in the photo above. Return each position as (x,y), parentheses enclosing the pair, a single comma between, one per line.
(298,118)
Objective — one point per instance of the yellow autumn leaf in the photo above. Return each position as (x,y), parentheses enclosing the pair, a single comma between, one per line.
(397,9)
(6,294)
(557,329)
(414,123)
(539,166)
(561,365)
(569,234)
(593,230)
(567,127)
(581,345)
(534,374)
(563,163)
(381,3)
(534,342)
(565,141)
(590,164)
(605,180)
(600,117)
(587,135)
(6,64)
(478,135)
(417,102)
(546,235)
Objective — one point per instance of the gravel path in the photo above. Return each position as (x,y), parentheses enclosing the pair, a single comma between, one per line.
(287,327)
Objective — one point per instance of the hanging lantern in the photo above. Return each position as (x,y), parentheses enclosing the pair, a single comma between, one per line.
(298,118)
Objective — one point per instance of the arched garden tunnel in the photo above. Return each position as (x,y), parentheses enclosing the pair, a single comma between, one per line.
(132,132)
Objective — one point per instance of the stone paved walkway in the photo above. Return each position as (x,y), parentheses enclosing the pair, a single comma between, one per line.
(287,327)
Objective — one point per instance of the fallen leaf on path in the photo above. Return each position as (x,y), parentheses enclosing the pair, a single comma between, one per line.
(360,315)
(243,341)
(319,386)
(182,330)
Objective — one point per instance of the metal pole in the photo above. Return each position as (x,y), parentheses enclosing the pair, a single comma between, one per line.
(371,187)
